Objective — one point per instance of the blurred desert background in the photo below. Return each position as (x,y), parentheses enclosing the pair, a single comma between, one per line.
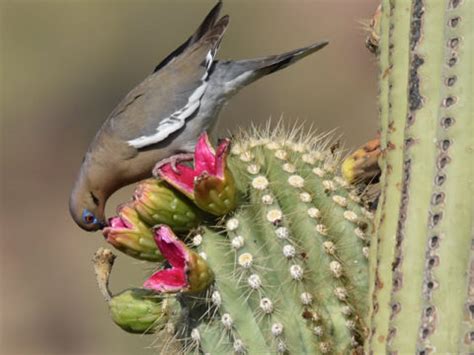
(65,64)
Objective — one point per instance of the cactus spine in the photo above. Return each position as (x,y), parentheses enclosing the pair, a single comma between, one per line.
(421,267)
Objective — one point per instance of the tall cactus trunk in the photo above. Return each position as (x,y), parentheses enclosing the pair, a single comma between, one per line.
(421,259)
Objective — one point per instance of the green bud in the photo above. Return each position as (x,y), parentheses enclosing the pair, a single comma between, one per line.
(129,234)
(139,311)
(157,203)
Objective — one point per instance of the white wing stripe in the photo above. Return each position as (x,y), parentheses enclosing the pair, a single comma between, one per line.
(177,119)
(173,123)
(166,128)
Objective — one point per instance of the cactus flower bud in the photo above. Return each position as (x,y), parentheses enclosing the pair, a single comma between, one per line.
(189,272)
(209,184)
(157,203)
(138,311)
(129,234)
(362,165)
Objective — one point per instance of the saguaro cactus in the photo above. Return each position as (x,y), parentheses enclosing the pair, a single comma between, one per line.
(264,248)
(421,261)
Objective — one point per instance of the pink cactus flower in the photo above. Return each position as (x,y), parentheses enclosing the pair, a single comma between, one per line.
(189,272)
(209,184)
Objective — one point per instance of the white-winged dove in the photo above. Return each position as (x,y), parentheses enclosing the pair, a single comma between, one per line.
(165,114)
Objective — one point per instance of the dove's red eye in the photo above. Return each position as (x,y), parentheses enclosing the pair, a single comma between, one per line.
(89,219)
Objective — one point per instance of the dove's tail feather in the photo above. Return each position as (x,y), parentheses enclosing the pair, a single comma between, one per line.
(208,24)
(273,63)
(235,75)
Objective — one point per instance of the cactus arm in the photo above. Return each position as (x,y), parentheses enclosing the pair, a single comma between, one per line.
(289,264)
(333,316)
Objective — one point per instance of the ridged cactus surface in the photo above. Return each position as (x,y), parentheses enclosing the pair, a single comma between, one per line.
(283,269)
(421,258)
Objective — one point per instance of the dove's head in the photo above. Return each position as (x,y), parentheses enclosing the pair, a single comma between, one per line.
(87,204)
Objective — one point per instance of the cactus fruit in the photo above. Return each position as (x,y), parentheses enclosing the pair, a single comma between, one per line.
(129,234)
(137,311)
(209,184)
(134,310)
(156,203)
(284,269)
(188,271)
(362,165)
(421,259)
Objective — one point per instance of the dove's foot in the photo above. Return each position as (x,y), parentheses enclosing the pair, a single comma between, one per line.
(173,160)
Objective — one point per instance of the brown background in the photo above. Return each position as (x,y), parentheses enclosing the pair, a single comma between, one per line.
(65,64)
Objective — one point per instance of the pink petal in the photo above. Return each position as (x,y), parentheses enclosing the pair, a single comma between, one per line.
(168,280)
(221,156)
(116,222)
(170,247)
(204,156)
(184,181)
(174,279)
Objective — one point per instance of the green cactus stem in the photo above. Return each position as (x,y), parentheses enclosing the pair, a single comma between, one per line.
(421,261)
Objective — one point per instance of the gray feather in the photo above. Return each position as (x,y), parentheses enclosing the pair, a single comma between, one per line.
(205,26)
(160,105)
(235,74)
(228,77)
